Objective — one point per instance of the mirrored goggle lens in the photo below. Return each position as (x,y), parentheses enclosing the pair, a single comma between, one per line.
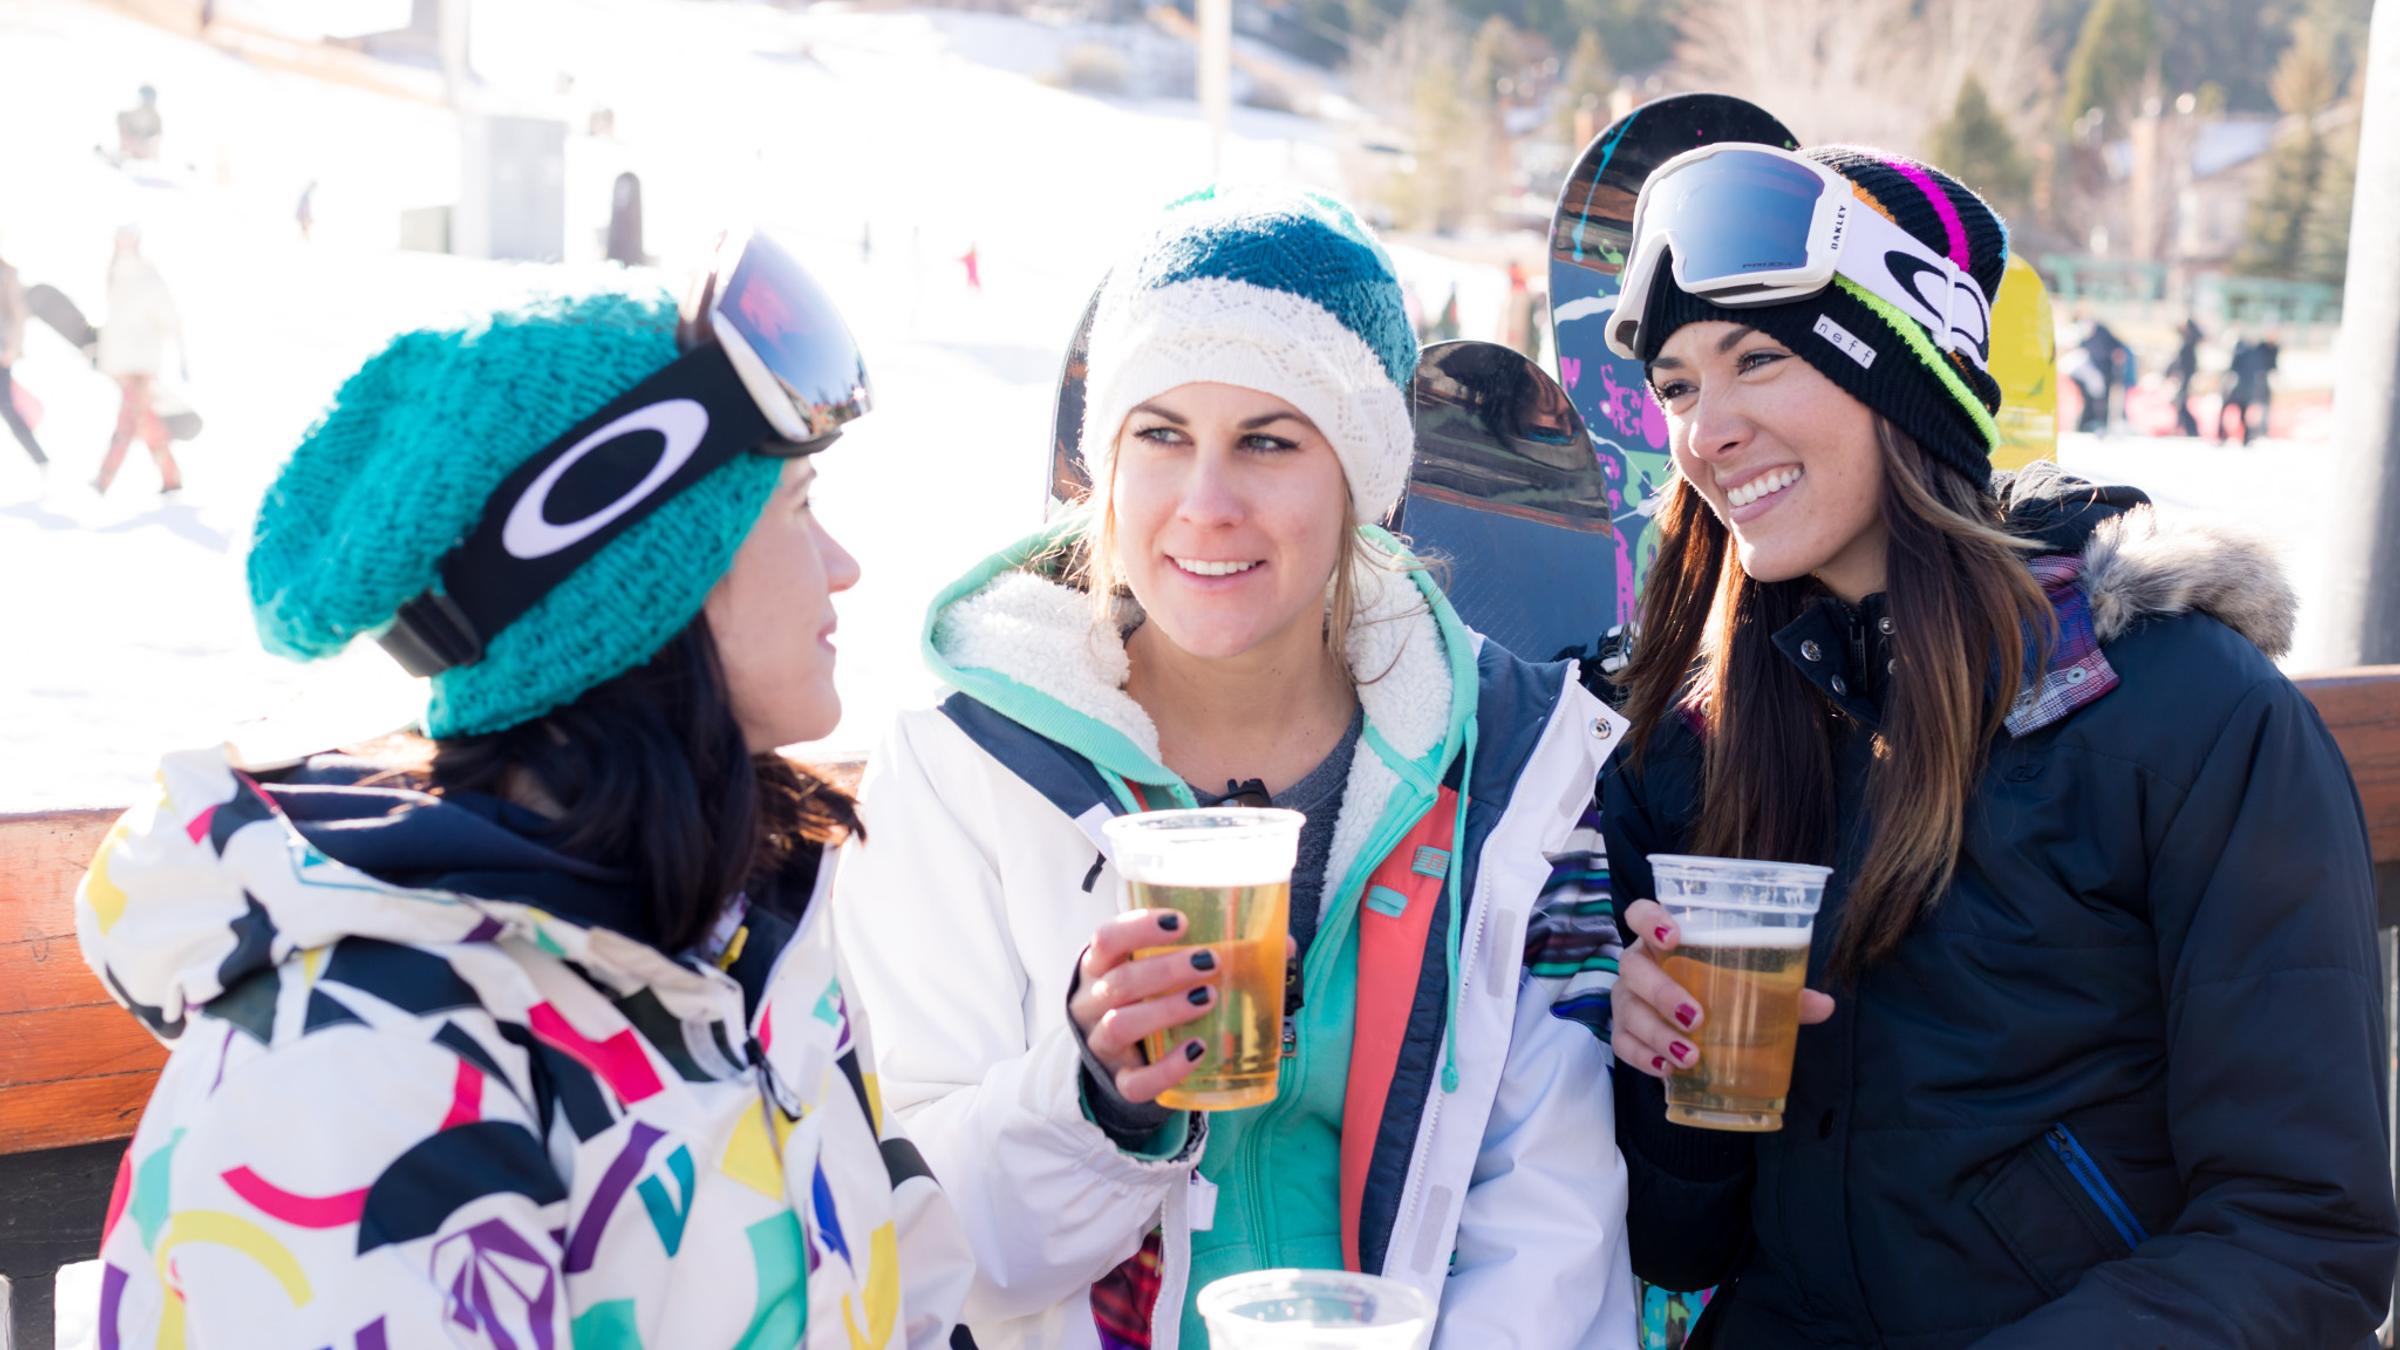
(793,327)
(1734,215)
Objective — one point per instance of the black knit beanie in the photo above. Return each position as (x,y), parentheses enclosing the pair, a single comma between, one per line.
(1872,349)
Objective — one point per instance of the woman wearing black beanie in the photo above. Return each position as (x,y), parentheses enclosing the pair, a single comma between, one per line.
(2103,1062)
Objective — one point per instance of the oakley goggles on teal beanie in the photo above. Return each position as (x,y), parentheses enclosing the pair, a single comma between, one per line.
(529,507)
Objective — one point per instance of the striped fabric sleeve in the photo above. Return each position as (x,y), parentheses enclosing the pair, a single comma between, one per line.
(1573,938)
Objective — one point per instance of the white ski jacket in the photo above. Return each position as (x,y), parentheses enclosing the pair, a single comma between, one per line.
(1503,1199)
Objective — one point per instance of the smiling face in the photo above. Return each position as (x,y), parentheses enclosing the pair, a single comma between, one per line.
(1785,458)
(1231,512)
(772,618)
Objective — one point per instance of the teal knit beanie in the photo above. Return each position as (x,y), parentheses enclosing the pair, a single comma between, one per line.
(1274,289)
(396,474)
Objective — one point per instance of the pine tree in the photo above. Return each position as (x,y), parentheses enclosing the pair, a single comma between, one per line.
(2282,215)
(2325,239)
(2112,55)
(1583,91)
(1976,147)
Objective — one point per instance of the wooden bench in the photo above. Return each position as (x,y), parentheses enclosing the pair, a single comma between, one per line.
(75,1070)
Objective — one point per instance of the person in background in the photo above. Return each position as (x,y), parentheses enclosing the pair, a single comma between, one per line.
(2254,383)
(142,323)
(624,244)
(12,347)
(140,128)
(2106,353)
(2183,370)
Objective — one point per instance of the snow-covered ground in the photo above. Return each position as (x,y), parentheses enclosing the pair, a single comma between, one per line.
(884,143)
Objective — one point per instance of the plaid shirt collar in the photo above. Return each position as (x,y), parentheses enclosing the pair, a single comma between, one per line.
(2078,673)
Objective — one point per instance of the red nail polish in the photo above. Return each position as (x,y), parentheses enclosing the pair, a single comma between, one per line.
(1659,932)
(1659,1062)
(1681,1051)
(1684,1013)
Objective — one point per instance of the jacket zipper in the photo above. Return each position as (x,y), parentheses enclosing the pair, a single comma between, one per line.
(1296,1068)
(1469,946)
(2087,1174)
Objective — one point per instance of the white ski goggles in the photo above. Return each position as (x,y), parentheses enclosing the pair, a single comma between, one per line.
(1756,224)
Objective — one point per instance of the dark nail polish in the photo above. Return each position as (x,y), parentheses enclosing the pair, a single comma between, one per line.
(1684,1013)
(1659,932)
(1204,960)
(1170,921)
(1659,1062)
(1681,1051)
(1199,997)
(1194,1050)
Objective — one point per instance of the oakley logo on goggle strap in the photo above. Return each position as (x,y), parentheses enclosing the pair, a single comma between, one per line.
(530,533)
(1938,301)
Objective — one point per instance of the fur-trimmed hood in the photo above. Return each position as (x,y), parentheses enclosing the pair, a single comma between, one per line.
(2138,567)
(2138,564)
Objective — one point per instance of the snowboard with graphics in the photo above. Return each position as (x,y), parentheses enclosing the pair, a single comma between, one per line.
(1589,235)
(1505,498)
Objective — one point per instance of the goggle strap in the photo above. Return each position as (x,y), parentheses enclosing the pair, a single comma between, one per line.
(1912,333)
(1869,229)
(496,574)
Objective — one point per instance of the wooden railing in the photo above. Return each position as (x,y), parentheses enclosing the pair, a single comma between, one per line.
(75,1069)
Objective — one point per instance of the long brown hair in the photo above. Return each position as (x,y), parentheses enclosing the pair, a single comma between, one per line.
(1969,619)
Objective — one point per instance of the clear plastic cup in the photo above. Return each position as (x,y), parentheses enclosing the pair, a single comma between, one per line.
(1228,871)
(1314,1310)
(1743,953)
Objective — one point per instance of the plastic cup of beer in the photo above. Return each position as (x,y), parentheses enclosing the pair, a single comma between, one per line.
(1743,953)
(1228,872)
(1314,1310)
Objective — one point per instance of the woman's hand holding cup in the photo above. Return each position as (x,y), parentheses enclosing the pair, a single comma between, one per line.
(1654,1022)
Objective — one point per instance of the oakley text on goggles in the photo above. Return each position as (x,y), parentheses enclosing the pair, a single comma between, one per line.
(1759,225)
(768,367)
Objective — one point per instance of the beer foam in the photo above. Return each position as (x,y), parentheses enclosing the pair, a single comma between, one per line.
(1215,846)
(1732,928)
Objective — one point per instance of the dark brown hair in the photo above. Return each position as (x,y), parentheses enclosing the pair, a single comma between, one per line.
(1970,619)
(651,774)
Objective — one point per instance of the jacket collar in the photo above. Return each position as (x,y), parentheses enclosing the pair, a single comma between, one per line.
(2131,568)
(1015,638)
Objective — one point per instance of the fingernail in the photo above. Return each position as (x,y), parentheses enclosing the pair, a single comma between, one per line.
(1686,1014)
(1680,1051)
(1194,1050)
(1204,960)
(1659,1062)
(1659,932)
(1170,921)
(1199,997)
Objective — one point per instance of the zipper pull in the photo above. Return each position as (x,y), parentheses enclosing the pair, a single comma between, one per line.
(1202,1198)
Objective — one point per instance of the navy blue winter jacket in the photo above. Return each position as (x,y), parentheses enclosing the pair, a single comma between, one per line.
(2123,1085)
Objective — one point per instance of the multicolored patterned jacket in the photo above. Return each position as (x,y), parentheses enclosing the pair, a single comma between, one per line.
(405,1117)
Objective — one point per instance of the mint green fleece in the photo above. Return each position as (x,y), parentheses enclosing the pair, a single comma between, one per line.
(1278,1167)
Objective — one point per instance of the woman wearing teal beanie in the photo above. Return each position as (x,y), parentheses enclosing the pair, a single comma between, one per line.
(535,1035)
(1225,619)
